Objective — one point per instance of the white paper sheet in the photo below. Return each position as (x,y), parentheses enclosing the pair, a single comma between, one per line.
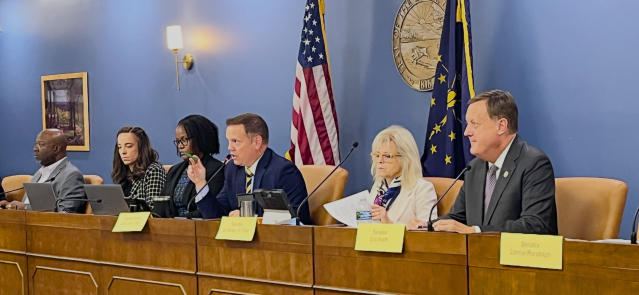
(613,241)
(344,209)
(275,216)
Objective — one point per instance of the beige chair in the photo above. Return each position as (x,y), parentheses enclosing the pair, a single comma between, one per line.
(590,208)
(167,168)
(14,182)
(331,190)
(92,179)
(441,184)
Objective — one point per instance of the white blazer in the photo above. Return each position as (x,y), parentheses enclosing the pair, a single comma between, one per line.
(414,203)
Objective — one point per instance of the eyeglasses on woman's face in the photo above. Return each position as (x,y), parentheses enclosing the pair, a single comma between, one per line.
(385,157)
(182,142)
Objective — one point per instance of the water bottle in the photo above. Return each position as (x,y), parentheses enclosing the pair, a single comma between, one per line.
(363,211)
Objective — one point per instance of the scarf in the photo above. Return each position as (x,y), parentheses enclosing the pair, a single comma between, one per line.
(386,194)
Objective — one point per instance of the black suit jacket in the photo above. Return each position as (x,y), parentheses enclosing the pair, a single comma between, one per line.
(523,200)
(273,172)
(173,177)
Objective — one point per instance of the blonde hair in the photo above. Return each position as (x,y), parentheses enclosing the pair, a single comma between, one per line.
(411,167)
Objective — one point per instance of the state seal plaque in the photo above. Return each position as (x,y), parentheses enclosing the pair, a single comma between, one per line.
(416,35)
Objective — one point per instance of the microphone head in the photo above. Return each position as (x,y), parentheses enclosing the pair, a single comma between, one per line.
(227,158)
(98,201)
(468,168)
(355,144)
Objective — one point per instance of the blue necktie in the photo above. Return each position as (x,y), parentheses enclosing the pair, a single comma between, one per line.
(490,186)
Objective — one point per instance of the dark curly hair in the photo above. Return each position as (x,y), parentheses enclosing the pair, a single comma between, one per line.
(147,156)
(203,134)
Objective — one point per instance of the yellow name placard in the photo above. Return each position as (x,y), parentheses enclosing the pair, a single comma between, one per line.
(378,237)
(237,228)
(131,222)
(540,251)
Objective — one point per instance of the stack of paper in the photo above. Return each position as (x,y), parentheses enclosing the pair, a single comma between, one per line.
(613,241)
(344,209)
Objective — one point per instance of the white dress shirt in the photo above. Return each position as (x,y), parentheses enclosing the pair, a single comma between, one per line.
(45,173)
(499,163)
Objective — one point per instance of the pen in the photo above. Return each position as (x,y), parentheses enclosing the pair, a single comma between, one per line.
(190,156)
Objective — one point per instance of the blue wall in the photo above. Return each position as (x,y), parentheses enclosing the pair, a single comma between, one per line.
(571,68)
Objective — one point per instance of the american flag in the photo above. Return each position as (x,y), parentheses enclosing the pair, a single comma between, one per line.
(314,130)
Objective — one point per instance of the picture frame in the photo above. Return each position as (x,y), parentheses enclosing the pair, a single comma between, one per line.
(65,106)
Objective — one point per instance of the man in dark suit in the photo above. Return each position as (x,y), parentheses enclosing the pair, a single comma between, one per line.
(511,186)
(254,166)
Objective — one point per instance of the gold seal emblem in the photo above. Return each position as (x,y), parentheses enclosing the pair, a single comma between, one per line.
(416,35)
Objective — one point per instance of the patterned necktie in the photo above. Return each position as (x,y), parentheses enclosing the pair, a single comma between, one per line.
(490,186)
(249,180)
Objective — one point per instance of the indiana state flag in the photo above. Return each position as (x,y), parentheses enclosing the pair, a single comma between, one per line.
(447,150)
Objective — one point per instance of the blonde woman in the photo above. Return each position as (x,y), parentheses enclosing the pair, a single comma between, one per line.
(399,192)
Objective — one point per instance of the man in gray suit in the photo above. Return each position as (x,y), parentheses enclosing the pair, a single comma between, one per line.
(51,152)
(511,185)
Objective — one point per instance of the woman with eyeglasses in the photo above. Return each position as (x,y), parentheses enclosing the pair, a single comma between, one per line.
(399,192)
(197,136)
(136,167)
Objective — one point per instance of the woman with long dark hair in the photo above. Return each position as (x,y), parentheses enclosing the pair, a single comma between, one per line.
(199,137)
(136,167)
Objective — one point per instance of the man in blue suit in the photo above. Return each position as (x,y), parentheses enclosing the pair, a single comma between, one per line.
(254,166)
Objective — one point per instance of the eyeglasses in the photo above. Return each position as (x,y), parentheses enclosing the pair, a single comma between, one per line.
(385,157)
(183,141)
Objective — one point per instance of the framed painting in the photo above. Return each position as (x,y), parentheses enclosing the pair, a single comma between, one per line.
(65,106)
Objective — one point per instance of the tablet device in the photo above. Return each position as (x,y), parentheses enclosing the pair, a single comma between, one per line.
(112,198)
(274,200)
(41,196)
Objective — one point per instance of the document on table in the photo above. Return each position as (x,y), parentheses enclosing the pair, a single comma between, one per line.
(344,209)
(612,241)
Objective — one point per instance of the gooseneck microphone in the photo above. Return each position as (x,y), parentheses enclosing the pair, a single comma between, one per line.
(226,161)
(430,216)
(13,190)
(633,236)
(297,215)
(57,202)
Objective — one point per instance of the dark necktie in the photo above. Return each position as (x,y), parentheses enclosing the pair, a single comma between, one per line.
(490,186)
(249,180)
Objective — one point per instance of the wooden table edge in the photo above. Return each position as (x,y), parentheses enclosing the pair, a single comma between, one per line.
(357,291)
(276,282)
(12,251)
(112,263)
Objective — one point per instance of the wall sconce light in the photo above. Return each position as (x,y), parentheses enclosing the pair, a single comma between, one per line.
(174,41)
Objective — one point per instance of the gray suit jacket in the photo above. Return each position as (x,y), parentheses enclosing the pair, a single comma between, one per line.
(523,200)
(68,183)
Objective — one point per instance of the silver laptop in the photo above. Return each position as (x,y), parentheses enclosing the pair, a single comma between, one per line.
(112,198)
(41,196)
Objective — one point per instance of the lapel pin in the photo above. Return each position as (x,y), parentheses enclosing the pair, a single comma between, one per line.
(506,174)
